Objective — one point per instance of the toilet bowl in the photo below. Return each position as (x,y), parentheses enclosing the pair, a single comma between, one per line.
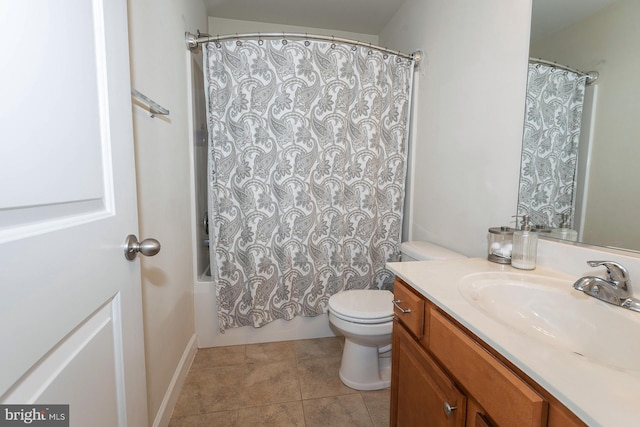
(365,318)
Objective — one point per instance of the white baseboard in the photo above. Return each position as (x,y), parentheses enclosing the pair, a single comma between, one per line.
(163,416)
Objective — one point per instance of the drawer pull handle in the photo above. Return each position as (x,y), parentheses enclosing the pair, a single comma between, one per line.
(402,310)
(448,409)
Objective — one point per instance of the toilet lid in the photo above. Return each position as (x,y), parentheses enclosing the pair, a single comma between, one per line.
(363,305)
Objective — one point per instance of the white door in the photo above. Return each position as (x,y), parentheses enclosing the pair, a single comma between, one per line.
(70,304)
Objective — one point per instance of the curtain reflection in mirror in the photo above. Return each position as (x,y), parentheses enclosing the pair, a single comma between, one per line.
(553,116)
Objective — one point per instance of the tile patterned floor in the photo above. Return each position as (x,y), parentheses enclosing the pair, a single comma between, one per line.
(290,383)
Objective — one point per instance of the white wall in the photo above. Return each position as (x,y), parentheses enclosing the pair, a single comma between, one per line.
(607,42)
(223,26)
(158,69)
(468,116)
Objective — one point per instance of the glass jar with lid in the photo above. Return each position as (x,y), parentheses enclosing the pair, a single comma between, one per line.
(500,244)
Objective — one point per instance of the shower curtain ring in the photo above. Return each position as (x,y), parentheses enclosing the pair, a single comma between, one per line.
(284,40)
(333,41)
(260,41)
(306,41)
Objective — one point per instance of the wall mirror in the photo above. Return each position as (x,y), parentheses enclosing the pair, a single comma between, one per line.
(602,36)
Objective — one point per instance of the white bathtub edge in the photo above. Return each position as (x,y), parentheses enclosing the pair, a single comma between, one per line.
(207,329)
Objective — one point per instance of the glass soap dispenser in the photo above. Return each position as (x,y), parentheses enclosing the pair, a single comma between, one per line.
(525,246)
(564,232)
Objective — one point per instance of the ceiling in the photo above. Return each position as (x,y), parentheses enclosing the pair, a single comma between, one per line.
(370,16)
(551,16)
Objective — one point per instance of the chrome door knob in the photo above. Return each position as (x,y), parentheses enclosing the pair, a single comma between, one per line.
(148,247)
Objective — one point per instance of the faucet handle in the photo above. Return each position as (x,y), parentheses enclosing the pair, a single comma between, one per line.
(615,272)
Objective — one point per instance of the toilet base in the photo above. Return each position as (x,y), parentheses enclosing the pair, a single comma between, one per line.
(363,368)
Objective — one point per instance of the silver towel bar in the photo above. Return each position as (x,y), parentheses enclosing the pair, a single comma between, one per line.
(154,107)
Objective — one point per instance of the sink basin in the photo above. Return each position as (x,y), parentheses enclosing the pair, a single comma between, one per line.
(548,309)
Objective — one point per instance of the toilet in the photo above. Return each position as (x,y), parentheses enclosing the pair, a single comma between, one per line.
(365,318)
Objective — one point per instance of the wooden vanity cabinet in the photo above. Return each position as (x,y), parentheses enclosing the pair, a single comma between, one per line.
(442,375)
(425,390)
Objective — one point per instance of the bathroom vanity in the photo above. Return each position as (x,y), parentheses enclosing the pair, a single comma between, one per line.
(456,363)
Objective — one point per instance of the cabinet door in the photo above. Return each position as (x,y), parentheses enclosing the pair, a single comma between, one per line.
(481,420)
(476,416)
(504,396)
(421,391)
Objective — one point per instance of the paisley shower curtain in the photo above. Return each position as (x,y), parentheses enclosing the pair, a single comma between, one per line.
(307,164)
(553,116)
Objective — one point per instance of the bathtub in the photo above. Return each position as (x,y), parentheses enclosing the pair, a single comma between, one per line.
(209,335)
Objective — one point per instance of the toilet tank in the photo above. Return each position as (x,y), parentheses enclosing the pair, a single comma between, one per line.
(423,251)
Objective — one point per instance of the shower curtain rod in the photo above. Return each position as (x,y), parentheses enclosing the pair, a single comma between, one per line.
(193,40)
(592,76)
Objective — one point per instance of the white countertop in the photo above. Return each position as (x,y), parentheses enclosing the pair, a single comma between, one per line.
(597,394)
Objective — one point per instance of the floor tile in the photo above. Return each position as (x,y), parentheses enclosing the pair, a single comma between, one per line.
(378,404)
(320,378)
(267,383)
(281,415)
(336,411)
(293,383)
(219,356)
(318,348)
(210,390)
(271,352)
(214,419)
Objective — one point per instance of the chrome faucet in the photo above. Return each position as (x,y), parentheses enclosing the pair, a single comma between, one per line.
(615,289)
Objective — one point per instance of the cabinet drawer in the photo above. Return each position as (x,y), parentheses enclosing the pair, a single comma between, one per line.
(507,399)
(413,316)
